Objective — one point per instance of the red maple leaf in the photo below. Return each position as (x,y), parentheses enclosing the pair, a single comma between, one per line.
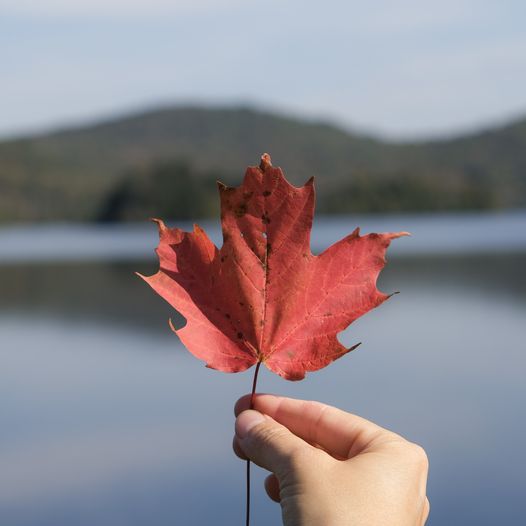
(264,297)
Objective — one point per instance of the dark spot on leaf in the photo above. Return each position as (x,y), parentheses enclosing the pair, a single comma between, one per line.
(247,195)
(269,248)
(328,314)
(240,335)
(241,304)
(265,218)
(305,255)
(240,210)
(266,193)
(227,316)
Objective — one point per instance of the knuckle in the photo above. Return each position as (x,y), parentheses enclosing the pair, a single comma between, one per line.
(419,456)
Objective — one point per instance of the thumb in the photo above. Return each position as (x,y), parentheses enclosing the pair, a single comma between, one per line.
(267,443)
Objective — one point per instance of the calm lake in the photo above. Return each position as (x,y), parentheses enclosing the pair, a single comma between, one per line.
(106,420)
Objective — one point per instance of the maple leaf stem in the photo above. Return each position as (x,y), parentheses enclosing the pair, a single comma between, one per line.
(254,384)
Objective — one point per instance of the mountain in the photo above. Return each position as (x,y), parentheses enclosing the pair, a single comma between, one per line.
(165,162)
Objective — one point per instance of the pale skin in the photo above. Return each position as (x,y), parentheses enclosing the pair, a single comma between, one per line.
(332,468)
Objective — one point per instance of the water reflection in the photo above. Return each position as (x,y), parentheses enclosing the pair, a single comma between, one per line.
(105,420)
(111,293)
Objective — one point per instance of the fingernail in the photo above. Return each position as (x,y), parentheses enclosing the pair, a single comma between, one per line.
(246,421)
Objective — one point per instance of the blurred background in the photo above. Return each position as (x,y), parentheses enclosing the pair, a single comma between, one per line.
(411,116)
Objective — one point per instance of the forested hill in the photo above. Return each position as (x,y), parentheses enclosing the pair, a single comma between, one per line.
(165,163)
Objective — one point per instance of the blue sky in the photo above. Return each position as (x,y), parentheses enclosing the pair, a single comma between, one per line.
(399,68)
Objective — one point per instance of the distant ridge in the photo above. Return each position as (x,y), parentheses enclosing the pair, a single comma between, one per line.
(166,160)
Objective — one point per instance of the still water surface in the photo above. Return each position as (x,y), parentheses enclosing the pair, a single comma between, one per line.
(105,420)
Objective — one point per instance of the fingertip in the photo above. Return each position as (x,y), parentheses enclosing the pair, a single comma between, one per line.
(244,402)
(272,488)
(246,421)
(237,449)
(266,442)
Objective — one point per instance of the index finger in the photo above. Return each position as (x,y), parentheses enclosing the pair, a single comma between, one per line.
(338,432)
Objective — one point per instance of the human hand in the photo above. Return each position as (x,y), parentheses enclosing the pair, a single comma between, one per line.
(332,468)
